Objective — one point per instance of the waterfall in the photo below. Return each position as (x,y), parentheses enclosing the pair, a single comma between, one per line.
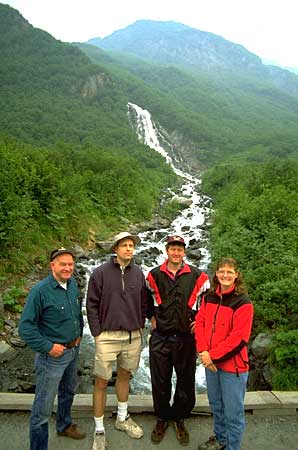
(189,223)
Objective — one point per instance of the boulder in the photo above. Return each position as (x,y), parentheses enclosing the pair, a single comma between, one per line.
(7,352)
(261,345)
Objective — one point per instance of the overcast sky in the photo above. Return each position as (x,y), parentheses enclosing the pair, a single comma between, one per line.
(267,28)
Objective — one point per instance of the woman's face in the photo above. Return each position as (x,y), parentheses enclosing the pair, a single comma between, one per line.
(226,276)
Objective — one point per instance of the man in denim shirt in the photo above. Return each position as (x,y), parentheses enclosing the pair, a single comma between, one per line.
(52,326)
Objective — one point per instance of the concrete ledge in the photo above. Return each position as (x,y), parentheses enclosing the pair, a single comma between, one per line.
(259,403)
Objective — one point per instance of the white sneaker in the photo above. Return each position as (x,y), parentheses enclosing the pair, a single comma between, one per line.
(99,442)
(132,429)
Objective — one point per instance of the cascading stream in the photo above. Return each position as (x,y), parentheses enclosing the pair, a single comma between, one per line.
(188,223)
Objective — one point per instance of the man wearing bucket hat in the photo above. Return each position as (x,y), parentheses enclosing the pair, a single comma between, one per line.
(52,325)
(116,311)
(174,289)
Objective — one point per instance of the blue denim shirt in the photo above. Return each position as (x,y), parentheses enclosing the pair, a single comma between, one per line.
(51,315)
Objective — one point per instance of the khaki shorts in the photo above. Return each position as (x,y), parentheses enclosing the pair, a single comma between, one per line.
(112,346)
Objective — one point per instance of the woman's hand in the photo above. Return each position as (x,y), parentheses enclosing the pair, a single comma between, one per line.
(207,361)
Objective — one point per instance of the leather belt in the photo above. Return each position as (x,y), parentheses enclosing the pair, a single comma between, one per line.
(71,344)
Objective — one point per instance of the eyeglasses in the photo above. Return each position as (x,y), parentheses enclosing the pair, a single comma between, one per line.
(226,272)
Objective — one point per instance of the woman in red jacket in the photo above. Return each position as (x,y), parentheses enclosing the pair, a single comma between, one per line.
(223,326)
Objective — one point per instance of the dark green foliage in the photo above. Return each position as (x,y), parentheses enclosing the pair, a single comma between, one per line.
(12,298)
(285,357)
(255,220)
(57,195)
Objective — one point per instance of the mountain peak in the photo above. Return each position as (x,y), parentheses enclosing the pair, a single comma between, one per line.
(178,44)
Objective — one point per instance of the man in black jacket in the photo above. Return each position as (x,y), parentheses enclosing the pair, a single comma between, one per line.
(116,311)
(174,289)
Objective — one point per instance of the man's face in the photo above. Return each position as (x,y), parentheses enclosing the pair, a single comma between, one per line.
(176,253)
(62,267)
(124,251)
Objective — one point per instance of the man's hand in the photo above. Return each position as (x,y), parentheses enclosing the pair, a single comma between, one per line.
(153,322)
(57,350)
(192,326)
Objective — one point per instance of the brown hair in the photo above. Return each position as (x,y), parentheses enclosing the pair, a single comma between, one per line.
(239,283)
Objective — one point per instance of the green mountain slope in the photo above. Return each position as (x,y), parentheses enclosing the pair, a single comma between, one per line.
(51,91)
(224,116)
(175,43)
(71,165)
(171,43)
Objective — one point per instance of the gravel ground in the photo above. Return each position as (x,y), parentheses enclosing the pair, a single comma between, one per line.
(262,433)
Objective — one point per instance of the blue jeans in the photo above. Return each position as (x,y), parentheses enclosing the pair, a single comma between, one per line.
(53,375)
(226,393)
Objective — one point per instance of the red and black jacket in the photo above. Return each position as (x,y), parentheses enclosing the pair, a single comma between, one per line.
(223,326)
(173,300)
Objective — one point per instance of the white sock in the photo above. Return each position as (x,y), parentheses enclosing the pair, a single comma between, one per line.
(122,411)
(99,427)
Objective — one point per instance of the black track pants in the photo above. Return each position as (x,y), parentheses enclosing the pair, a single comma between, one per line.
(166,354)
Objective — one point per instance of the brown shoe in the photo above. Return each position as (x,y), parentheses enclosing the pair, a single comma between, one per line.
(73,432)
(212,444)
(159,431)
(181,432)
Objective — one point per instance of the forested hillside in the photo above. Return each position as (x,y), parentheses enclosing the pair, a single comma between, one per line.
(70,160)
(50,91)
(222,114)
